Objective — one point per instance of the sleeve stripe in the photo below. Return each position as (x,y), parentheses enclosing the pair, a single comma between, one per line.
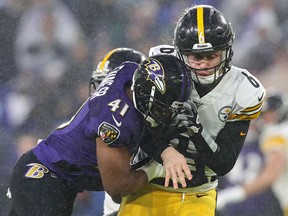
(245,116)
(256,107)
(248,113)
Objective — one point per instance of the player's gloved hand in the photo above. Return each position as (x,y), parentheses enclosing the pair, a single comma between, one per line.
(189,119)
(230,195)
(153,170)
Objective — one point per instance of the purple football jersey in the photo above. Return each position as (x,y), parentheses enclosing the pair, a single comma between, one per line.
(109,114)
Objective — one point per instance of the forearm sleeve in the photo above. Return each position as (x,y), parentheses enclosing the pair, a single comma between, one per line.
(221,154)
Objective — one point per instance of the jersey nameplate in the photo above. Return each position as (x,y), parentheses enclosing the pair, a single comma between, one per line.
(106,83)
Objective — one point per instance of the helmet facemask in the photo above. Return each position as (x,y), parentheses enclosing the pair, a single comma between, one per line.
(98,75)
(219,70)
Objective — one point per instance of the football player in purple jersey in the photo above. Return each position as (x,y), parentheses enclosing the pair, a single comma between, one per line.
(92,151)
(113,59)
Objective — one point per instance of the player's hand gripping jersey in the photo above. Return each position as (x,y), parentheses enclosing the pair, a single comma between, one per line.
(70,150)
(224,115)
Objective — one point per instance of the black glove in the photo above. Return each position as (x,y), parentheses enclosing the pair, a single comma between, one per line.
(189,120)
(155,140)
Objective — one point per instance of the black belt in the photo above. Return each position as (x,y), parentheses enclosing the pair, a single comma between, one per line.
(194,182)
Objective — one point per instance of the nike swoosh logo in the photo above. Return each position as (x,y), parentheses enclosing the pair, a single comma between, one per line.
(118,124)
(200,195)
(261,97)
(242,133)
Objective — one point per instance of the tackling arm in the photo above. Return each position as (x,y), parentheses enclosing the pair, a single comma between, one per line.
(114,166)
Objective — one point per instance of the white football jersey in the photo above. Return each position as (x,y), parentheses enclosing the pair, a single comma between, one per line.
(275,138)
(238,96)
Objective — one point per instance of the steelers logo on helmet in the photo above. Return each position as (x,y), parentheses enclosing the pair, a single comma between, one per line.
(155,74)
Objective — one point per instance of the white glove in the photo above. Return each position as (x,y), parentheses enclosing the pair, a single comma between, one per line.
(230,195)
(153,170)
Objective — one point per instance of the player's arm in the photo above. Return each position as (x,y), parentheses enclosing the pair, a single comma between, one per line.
(274,166)
(221,154)
(156,143)
(114,166)
(218,154)
(273,146)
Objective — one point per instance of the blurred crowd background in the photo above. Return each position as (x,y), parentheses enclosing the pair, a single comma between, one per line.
(49,48)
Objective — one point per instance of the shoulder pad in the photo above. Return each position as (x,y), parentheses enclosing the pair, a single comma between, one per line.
(250,96)
(163,49)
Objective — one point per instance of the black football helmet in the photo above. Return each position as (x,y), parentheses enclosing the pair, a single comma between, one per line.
(160,87)
(275,101)
(203,28)
(113,59)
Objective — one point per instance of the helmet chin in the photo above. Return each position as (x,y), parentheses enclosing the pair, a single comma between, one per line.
(205,80)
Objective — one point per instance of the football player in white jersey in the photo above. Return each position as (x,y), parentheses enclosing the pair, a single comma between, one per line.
(274,145)
(225,99)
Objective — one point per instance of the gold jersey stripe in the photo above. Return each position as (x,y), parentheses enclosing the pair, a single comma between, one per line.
(274,142)
(248,113)
(250,109)
(200,25)
(244,116)
(106,58)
